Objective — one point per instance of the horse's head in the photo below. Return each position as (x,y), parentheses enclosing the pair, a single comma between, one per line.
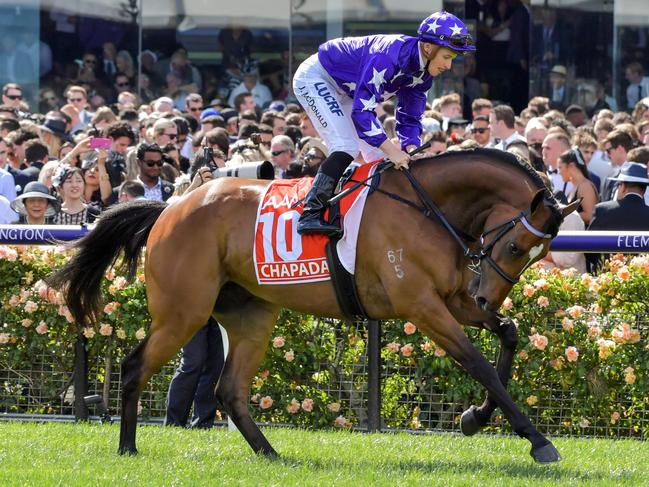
(511,242)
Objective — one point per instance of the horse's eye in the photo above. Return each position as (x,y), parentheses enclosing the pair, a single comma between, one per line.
(513,248)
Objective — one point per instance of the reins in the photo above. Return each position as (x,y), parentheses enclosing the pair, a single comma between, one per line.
(430,209)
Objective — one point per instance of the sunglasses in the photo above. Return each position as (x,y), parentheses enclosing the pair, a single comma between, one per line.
(276,153)
(151,163)
(171,136)
(15,97)
(480,130)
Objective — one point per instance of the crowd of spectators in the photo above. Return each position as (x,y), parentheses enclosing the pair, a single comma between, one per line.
(75,155)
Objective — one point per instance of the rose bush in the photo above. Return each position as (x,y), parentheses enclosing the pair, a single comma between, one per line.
(580,365)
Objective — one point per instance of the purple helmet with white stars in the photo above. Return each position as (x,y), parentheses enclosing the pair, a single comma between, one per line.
(446,30)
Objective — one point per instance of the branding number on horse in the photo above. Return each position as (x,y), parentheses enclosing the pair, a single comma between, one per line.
(395,257)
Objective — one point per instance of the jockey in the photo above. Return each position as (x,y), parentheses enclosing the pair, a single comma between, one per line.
(341,85)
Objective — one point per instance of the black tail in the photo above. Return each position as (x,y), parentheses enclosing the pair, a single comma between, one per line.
(124,228)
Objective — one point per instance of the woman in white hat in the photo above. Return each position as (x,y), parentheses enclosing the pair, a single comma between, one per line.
(35,206)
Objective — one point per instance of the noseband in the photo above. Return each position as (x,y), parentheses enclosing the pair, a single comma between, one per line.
(484,252)
(430,210)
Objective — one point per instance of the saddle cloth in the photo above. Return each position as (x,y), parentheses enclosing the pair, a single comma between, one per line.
(283,256)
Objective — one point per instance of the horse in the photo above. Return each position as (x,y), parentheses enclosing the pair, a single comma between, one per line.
(440,244)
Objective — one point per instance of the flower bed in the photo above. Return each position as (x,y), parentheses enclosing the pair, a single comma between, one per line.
(580,366)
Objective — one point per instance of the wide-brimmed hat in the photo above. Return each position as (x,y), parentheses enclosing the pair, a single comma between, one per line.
(632,172)
(56,126)
(316,143)
(35,189)
(559,69)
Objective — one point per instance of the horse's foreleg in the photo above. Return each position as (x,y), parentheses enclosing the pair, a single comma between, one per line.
(474,418)
(448,333)
(249,330)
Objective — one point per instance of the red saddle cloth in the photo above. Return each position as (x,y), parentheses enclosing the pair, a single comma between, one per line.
(283,256)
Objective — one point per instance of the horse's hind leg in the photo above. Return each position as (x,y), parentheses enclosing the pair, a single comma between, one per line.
(249,328)
(474,418)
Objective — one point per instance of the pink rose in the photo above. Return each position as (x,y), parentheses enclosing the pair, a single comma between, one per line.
(615,417)
(543,301)
(278,342)
(439,352)
(254,398)
(539,341)
(623,273)
(105,330)
(529,290)
(120,282)
(629,375)
(26,322)
(289,356)
(293,407)
(393,347)
(265,402)
(409,328)
(307,405)
(41,329)
(575,311)
(140,334)
(572,354)
(507,304)
(567,324)
(334,407)
(110,274)
(89,332)
(141,278)
(4,338)
(42,291)
(14,301)
(407,349)
(342,422)
(109,308)
(541,284)
(30,306)
(426,346)
(265,373)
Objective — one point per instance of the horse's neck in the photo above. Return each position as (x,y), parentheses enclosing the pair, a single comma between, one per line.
(467,191)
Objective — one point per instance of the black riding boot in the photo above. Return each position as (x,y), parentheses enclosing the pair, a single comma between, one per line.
(324,185)
(312,218)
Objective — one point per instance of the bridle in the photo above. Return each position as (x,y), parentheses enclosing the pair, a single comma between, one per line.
(430,210)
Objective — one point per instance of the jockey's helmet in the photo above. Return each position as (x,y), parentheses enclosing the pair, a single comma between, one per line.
(446,30)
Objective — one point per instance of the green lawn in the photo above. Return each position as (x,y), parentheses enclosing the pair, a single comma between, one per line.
(68,454)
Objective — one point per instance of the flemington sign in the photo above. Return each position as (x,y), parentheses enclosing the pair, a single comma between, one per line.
(623,242)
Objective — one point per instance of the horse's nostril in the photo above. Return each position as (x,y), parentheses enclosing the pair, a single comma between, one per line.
(482,302)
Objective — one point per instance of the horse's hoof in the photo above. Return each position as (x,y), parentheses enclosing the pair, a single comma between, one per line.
(469,422)
(545,454)
(125,450)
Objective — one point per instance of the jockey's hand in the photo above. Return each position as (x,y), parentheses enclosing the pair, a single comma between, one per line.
(400,160)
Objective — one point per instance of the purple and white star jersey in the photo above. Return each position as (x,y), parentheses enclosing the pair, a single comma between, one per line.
(373,69)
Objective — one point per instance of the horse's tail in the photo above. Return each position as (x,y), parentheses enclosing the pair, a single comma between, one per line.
(124,228)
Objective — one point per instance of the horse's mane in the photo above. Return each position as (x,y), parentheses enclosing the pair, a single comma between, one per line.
(511,160)
(506,158)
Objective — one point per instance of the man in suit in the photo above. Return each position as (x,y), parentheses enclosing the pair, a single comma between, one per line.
(617,145)
(149,161)
(36,155)
(628,211)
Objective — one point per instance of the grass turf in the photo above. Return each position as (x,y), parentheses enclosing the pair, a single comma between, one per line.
(83,454)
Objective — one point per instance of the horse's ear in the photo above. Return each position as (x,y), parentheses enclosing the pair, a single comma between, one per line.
(566,210)
(537,200)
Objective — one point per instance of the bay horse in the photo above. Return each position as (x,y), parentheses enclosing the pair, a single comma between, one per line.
(410,265)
